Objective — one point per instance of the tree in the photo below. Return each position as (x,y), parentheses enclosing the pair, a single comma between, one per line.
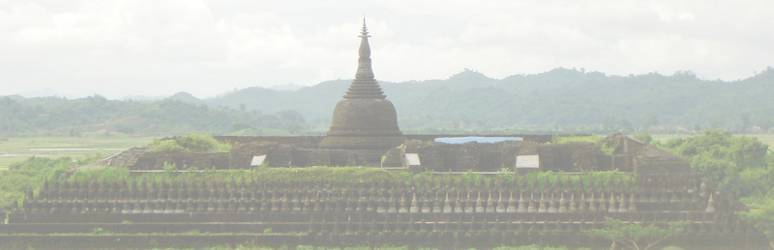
(633,235)
(760,214)
(292,121)
(643,137)
(723,159)
(742,151)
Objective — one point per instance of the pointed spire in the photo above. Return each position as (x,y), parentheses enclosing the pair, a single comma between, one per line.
(364,85)
(364,30)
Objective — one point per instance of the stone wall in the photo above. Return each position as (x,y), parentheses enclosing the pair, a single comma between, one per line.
(480,157)
(491,157)
(302,151)
(313,141)
(181,160)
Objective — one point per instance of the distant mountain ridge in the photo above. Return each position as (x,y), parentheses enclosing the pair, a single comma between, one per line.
(179,114)
(185,97)
(560,100)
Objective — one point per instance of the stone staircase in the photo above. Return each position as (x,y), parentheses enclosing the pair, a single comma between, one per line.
(126,158)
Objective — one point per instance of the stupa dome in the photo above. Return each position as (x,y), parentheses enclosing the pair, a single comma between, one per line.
(364,118)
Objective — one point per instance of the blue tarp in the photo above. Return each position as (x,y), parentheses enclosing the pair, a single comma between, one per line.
(477,139)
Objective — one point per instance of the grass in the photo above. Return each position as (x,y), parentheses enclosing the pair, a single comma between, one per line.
(767,139)
(305,247)
(298,247)
(576,139)
(349,177)
(29,175)
(16,149)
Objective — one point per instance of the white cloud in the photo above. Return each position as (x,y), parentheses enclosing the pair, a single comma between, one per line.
(157,47)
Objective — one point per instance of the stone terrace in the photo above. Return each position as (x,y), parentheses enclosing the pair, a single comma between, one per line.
(437,213)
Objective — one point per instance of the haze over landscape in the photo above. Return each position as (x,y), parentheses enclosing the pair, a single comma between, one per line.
(157,48)
(561,100)
(428,124)
(244,67)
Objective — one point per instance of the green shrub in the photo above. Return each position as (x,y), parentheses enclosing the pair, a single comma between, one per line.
(505,174)
(567,139)
(169,168)
(643,137)
(29,175)
(632,235)
(99,231)
(109,174)
(471,177)
(724,160)
(346,176)
(193,143)
(608,147)
(167,146)
(530,247)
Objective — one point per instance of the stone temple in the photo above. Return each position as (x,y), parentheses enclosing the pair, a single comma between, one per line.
(441,208)
(364,131)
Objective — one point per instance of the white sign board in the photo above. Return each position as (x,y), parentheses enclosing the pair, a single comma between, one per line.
(413,160)
(257,160)
(528,161)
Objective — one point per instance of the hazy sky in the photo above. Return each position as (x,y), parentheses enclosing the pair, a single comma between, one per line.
(156,47)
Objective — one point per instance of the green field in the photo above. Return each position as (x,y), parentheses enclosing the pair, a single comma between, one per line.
(765,138)
(16,149)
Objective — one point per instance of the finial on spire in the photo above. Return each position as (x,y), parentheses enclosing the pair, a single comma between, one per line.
(364,31)
(364,85)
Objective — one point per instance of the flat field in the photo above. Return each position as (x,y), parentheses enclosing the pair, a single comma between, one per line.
(16,149)
(765,138)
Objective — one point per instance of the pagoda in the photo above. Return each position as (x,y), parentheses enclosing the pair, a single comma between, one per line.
(364,118)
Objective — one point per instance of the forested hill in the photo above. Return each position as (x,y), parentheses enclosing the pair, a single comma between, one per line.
(170,116)
(554,101)
(561,100)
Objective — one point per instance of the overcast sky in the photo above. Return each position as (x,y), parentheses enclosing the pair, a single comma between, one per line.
(156,47)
